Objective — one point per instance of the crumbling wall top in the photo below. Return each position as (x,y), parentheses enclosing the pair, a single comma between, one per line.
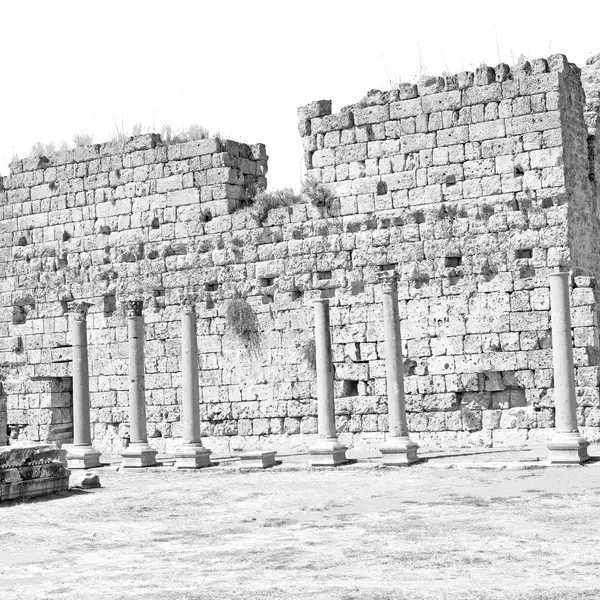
(460,90)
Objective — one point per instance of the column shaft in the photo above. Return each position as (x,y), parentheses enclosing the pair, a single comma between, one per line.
(398,448)
(562,353)
(394,364)
(327,450)
(567,446)
(325,403)
(189,374)
(81,382)
(137,389)
(81,454)
(190,454)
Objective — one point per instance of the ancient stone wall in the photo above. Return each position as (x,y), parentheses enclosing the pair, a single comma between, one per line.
(484,182)
(469,189)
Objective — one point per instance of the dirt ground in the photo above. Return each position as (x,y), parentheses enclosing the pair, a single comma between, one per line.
(363,534)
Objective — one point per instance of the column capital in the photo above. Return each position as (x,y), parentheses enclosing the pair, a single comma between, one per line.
(560,275)
(324,301)
(79,310)
(134,308)
(389,286)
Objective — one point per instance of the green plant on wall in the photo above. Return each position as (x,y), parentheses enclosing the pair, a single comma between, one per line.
(242,322)
(265,201)
(309,354)
(318,194)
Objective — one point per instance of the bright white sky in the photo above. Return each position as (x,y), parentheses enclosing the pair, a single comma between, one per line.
(243,67)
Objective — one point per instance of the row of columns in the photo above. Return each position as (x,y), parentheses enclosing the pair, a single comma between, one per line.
(190,453)
(567,445)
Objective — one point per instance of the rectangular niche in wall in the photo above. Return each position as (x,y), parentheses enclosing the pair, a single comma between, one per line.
(349,387)
(110,305)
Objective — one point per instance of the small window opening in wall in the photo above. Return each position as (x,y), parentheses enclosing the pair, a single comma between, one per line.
(450,179)
(322,275)
(110,305)
(381,188)
(388,267)
(159,298)
(66,236)
(349,387)
(547,203)
(524,253)
(22,241)
(19,315)
(297,295)
(18,346)
(453,261)
(105,230)
(211,287)
(210,303)
(519,171)
(267,298)
(155,223)
(267,281)
(329,293)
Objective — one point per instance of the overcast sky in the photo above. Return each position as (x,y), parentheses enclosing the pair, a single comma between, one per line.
(243,67)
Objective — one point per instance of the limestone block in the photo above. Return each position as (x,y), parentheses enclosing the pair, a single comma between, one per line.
(531,123)
(85,480)
(319,108)
(405,108)
(491,419)
(482,94)
(328,123)
(430,85)
(487,131)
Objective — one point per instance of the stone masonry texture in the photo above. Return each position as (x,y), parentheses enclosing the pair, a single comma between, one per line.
(468,189)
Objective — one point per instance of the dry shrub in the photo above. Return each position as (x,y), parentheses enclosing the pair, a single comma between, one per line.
(241,320)
(319,195)
(309,354)
(265,201)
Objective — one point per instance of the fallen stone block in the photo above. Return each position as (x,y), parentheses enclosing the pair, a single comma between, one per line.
(84,480)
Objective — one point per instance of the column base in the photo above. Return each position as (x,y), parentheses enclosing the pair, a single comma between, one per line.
(139,454)
(258,459)
(568,448)
(327,453)
(399,451)
(192,456)
(82,457)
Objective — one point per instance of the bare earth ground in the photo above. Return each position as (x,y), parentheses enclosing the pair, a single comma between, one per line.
(417,532)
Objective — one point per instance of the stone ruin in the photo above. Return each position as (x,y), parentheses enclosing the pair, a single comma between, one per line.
(469,190)
(29,471)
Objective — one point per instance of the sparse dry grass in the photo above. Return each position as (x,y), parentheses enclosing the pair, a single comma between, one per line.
(264,201)
(362,535)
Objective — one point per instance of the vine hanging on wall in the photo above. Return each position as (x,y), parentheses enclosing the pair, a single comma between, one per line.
(242,322)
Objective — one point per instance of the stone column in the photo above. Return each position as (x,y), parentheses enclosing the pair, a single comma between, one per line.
(138,453)
(398,449)
(327,451)
(3,419)
(190,453)
(567,445)
(81,454)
